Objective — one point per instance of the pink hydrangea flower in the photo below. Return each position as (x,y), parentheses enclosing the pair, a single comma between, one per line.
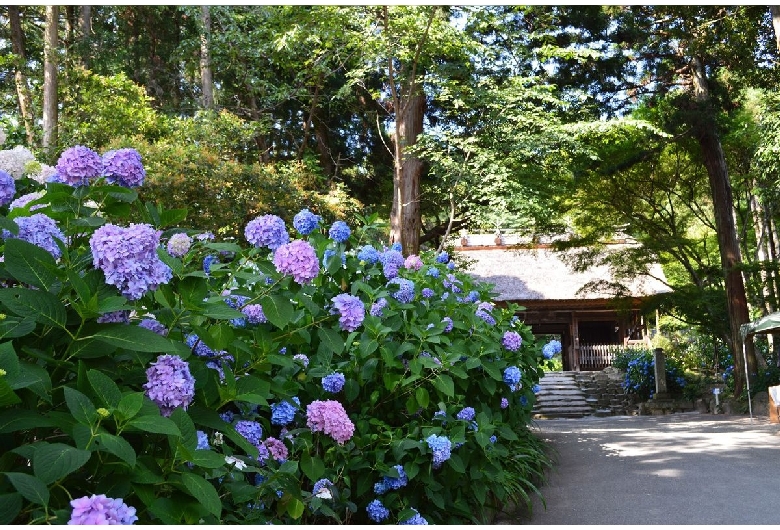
(297,259)
(330,418)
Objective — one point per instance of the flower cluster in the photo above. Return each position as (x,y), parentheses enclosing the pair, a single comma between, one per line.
(551,348)
(512,376)
(153,325)
(330,418)
(13,161)
(339,232)
(333,383)
(99,509)
(179,244)
(504,402)
(392,260)
(306,222)
(7,188)
(128,258)
(301,358)
(512,340)
(415,519)
(203,441)
(114,317)
(267,231)
(467,414)
(350,309)
(377,307)
(368,254)
(78,165)
(413,262)
(297,259)
(252,431)
(124,167)
(405,292)
(38,229)
(254,314)
(483,312)
(169,383)
(282,413)
(24,200)
(441,447)
(276,448)
(448,324)
(392,483)
(322,488)
(377,511)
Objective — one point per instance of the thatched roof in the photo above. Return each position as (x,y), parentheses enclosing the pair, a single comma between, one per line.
(541,274)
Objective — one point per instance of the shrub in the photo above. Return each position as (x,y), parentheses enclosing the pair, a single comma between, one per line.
(639,367)
(209,392)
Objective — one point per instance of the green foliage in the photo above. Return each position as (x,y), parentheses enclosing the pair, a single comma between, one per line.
(639,366)
(75,419)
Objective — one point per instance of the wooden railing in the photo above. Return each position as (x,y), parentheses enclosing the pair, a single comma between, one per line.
(599,356)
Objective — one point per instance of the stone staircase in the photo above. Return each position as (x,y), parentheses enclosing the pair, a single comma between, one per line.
(560,396)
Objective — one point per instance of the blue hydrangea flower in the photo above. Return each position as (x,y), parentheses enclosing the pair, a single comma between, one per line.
(449,324)
(432,271)
(333,383)
(392,483)
(203,441)
(451,265)
(377,307)
(7,188)
(493,439)
(535,389)
(169,383)
(368,254)
(512,340)
(443,257)
(427,292)
(397,247)
(473,296)
(124,167)
(306,222)
(483,312)
(320,485)
(252,431)
(467,414)
(441,447)
(504,402)
(405,292)
(377,511)
(301,358)
(328,256)
(114,317)
(282,413)
(351,311)
(512,375)
(392,261)
(415,519)
(551,348)
(208,261)
(153,325)
(78,165)
(267,231)
(38,229)
(254,314)
(339,232)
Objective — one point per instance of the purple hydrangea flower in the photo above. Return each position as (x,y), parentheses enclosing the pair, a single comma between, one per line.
(38,229)
(427,292)
(306,222)
(7,188)
(78,165)
(320,485)
(483,312)
(254,314)
(512,375)
(24,200)
(203,441)
(351,311)
(368,254)
(405,292)
(504,403)
(128,258)
(448,327)
(512,340)
(297,259)
(413,262)
(101,510)
(179,244)
(124,167)
(276,448)
(551,348)
(392,260)
(301,358)
(267,231)
(339,232)
(169,383)
(153,325)
(252,431)
(377,307)
(377,511)
(282,413)
(441,447)
(415,519)
(467,414)
(330,418)
(333,383)
(114,317)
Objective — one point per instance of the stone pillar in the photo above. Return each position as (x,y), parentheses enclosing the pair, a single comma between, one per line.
(661,391)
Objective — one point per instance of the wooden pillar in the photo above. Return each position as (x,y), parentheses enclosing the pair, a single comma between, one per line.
(575,341)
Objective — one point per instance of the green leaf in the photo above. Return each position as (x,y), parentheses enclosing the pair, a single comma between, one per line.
(444,384)
(105,388)
(222,312)
(172,217)
(10,506)
(189,437)
(295,508)
(331,339)
(115,445)
(43,307)
(192,291)
(32,488)
(155,424)
(312,466)
(492,371)
(55,461)
(457,464)
(7,396)
(423,398)
(9,224)
(278,310)
(12,328)
(80,406)
(203,491)
(136,338)
(30,264)
(22,420)
(207,459)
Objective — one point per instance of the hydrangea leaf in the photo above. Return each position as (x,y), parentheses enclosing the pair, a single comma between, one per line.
(105,388)
(312,466)
(117,446)
(15,420)
(80,406)
(203,491)
(31,264)
(32,488)
(10,506)
(55,461)
(130,405)
(12,328)
(7,396)
(136,338)
(444,384)
(43,307)
(155,424)
(278,310)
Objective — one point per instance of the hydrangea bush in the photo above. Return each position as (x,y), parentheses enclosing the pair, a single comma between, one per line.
(152,374)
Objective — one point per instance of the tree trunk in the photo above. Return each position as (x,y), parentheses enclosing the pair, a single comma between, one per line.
(22,89)
(85,22)
(411,126)
(205,60)
(715,162)
(775,11)
(50,82)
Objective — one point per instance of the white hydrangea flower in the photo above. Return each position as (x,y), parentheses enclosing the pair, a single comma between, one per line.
(3,136)
(43,175)
(12,161)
